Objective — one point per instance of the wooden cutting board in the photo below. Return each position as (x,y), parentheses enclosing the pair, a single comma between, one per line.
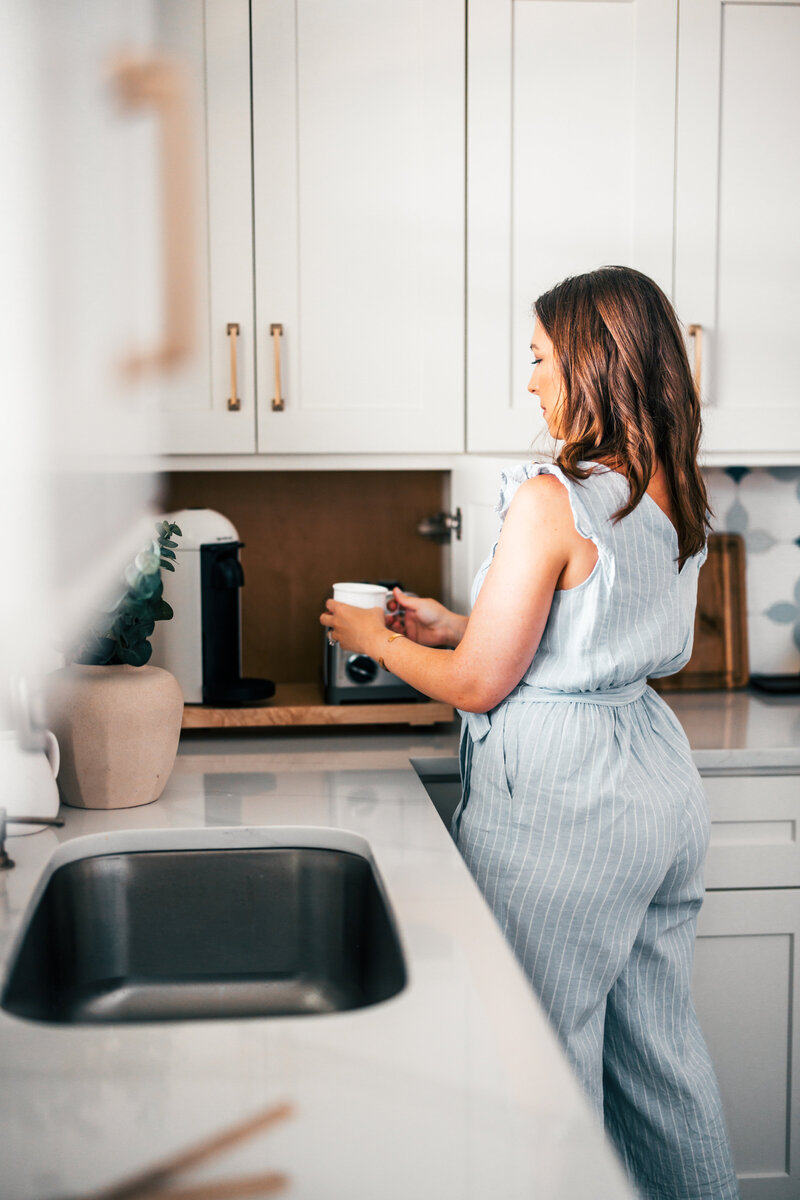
(719,655)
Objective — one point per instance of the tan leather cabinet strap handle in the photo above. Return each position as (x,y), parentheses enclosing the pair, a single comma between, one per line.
(234,403)
(276,332)
(158,82)
(696,334)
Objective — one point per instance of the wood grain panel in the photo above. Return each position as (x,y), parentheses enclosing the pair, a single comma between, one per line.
(719,655)
(303,531)
(304,704)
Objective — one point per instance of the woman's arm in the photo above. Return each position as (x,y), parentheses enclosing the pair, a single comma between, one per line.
(507,622)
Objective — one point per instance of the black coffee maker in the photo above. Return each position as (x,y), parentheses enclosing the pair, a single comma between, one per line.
(202,644)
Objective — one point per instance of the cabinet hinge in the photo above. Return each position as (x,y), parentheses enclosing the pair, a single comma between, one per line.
(440,526)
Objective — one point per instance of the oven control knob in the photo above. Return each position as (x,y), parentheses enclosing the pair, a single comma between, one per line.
(361,669)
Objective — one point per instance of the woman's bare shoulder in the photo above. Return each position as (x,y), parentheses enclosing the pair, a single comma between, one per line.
(543,496)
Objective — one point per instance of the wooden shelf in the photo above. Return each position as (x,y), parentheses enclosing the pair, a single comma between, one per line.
(304,704)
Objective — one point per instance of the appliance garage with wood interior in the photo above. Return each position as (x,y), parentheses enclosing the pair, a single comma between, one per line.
(327,371)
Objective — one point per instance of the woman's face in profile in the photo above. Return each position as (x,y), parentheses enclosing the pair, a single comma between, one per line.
(545,382)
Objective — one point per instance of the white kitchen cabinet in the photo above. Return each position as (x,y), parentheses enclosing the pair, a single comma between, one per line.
(737,247)
(208,404)
(746,979)
(94,111)
(358,141)
(474,492)
(571,112)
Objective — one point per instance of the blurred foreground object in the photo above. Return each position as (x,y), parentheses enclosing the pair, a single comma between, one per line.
(94,137)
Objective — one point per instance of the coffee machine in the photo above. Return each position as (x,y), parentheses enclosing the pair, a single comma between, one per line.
(202,644)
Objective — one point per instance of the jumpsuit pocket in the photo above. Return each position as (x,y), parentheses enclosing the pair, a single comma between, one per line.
(508,736)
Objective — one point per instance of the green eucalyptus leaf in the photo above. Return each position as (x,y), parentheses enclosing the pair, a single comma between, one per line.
(138,654)
(144,650)
(132,575)
(146,588)
(147,562)
(96,652)
(119,632)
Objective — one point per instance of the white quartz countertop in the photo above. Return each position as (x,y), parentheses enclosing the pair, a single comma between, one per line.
(454,1088)
(740,730)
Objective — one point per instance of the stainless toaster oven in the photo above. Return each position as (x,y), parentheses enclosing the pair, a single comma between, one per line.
(351,678)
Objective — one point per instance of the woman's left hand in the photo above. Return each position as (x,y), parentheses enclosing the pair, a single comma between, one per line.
(353,628)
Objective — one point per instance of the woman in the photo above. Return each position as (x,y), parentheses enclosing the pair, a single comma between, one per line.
(583,818)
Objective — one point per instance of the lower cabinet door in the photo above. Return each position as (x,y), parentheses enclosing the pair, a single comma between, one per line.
(746,985)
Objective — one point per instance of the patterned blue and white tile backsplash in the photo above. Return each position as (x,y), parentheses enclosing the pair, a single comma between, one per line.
(763,505)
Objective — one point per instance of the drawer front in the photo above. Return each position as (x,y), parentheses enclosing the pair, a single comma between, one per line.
(755,821)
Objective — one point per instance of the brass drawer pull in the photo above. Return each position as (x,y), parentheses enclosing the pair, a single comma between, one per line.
(696,334)
(276,332)
(234,403)
(160,83)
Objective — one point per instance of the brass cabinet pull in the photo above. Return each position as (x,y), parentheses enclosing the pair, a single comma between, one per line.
(696,334)
(159,82)
(276,331)
(234,403)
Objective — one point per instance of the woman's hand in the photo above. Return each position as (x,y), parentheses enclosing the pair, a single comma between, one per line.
(424,620)
(353,628)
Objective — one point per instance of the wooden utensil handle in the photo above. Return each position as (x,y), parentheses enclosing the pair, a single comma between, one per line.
(153,1180)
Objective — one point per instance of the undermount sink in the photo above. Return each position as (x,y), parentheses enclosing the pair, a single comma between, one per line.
(184,934)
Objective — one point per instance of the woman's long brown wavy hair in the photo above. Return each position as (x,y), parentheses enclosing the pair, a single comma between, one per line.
(629,399)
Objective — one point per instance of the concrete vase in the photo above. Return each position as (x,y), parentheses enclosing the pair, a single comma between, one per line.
(118,729)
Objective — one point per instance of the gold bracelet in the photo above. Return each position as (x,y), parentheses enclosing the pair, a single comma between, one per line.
(391,639)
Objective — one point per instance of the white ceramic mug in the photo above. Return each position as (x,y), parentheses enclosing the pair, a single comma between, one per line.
(362,595)
(28,780)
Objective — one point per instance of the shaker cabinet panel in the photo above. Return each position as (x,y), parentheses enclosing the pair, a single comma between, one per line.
(746,986)
(208,406)
(474,492)
(87,196)
(358,143)
(570,166)
(755,831)
(737,253)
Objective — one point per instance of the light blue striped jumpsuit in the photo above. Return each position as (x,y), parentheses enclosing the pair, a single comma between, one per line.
(584,823)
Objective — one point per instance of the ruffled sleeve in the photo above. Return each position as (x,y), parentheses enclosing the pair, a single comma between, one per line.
(512,480)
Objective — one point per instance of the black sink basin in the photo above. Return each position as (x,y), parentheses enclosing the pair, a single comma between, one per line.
(182,934)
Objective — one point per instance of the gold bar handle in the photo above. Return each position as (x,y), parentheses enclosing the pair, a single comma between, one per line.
(234,403)
(160,83)
(696,334)
(276,332)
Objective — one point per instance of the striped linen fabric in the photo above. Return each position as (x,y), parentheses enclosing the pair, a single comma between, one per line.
(584,823)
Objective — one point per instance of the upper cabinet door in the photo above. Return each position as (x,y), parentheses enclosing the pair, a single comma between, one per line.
(571,117)
(737,225)
(358,111)
(84,266)
(208,405)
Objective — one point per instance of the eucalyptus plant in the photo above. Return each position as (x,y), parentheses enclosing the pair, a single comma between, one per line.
(119,635)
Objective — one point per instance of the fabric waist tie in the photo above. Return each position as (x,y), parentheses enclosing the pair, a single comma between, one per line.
(479,724)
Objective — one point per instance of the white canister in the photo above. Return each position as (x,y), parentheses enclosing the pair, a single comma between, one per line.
(28,781)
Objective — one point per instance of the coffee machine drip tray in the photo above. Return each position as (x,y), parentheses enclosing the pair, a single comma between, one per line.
(237,693)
